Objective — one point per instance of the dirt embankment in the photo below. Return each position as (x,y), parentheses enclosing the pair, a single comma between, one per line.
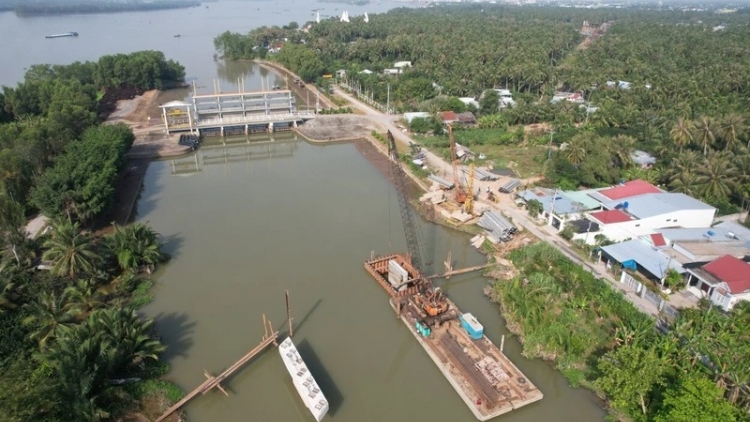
(338,128)
(308,91)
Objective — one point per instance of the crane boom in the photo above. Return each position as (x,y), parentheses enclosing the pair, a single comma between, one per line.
(460,194)
(410,229)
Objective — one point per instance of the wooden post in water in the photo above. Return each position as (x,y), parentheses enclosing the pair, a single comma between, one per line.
(502,343)
(289,315)
(265,327)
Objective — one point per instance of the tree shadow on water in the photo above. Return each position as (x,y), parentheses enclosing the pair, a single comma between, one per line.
(322,377)
(175,330)
(171,244)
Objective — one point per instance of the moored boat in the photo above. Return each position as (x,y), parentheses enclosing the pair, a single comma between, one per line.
(66,34)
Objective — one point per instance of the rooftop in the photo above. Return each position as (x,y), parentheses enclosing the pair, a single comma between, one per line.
(735,228)
(654,204)
(448,116)
(708,251)
(658,240)
(642,158)
(610,216)
(701,234)
(628,189)
(583,197)
(561,202)
(646,256)
(732,271)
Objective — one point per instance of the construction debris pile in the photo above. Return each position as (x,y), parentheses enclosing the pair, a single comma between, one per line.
(497,227)
(435,195)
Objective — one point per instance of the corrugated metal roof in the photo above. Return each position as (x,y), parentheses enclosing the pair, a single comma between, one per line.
(658,240)
(582,197)
(705,234)
(631,188)
(738,229)
(416,115)
(732,271)
(653,204)
(610,216)
(561,202)
(644,255)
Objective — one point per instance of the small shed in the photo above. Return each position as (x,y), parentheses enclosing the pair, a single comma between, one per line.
(466,118)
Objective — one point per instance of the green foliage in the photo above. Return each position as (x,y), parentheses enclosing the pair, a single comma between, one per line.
(629,374)
(567,232)
(80,186)
(302,60)
(420,125)
(489,102)
(565,314)
(340,110)
(695,399)
(534,208)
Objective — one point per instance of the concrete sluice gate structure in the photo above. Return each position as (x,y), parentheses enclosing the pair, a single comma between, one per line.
(485,379)
(234,113)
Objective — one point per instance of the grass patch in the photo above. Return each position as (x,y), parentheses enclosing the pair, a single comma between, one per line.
(152,387)
(141,296)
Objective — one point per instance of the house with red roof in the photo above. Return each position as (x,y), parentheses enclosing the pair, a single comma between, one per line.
(724,281)
(637,208)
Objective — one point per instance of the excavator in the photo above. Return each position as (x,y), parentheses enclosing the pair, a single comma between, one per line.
(460,193)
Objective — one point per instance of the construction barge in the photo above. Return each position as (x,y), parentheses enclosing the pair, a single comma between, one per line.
(487,381)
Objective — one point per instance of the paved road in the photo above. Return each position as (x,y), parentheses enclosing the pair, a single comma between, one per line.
(507,206)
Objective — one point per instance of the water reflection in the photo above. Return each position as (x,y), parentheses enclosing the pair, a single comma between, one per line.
(235,149)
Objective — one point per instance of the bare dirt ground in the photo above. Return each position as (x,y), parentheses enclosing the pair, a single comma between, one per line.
(335,128)
(143,115)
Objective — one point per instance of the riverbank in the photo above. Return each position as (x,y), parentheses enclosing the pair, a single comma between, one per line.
(308,91)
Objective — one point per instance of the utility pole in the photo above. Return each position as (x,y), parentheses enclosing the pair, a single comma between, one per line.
(549,147)
(388,102)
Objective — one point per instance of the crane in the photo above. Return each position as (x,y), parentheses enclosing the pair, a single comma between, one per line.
(469,204)
(410,228)
(460,194)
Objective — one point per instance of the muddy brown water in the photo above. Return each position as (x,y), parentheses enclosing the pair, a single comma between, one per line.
(244,222)
(243,230)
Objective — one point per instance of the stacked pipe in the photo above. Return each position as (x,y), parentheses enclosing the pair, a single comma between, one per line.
(497,227)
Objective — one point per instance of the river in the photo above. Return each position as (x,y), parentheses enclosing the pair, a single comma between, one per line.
(247,221)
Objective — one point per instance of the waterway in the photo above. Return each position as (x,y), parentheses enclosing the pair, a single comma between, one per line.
(245,222)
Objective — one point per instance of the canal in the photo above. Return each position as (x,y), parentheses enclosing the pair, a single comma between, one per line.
(286,214)
(244,223)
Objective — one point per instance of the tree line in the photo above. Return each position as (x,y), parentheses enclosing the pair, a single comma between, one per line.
(58,7)
(696,369)
(72,346)
(53,112)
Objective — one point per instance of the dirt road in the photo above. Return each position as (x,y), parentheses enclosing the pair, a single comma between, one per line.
(506,205)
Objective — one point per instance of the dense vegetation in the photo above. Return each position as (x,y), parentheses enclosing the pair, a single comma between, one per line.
(51,114)
(62,7)
(698,370)
(686,103)
(72,347)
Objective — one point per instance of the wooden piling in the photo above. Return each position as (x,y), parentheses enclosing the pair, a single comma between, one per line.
(289,314)
(212,382)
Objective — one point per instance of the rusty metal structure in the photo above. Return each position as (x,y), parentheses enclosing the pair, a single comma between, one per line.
(460,193)
(410,228)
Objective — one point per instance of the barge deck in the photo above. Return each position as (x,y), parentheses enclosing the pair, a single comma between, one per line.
(485,379)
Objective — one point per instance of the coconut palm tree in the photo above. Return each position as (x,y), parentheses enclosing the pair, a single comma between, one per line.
(576,150)
(717,179)
(136,245)
(733,129)
(49,315)
(126,337)
(83,297)
(704,133)
(72,252)
(682,133)
(622,149)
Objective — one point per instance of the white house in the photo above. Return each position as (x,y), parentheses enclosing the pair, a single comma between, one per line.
(469,101)
(392,71)
(725,281)
(401,65)
(638,208)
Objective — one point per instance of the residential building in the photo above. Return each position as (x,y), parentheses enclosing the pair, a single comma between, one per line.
(416,115)
(724,281)
(469,101)
(638,208)
(466,118)
(573,97)
(562,207)
(401,65)
(642,159)
(448,117)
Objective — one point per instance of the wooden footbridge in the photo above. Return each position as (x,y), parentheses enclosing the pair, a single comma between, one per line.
(212,382)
